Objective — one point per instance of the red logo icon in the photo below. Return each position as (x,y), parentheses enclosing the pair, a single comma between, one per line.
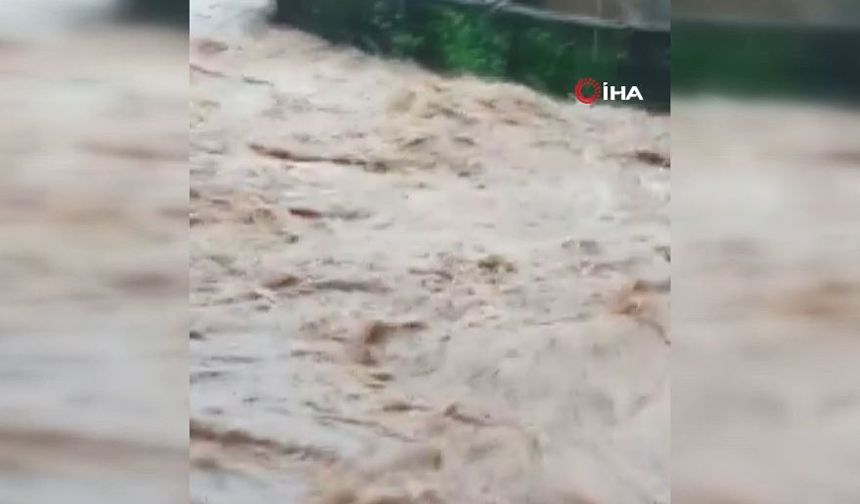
(579,90)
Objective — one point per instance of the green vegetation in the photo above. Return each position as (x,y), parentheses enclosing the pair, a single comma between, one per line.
(171,11)
(771,60)
(470,43)
(547,54)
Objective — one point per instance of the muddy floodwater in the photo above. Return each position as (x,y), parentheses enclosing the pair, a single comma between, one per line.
(93,257)
(412,288)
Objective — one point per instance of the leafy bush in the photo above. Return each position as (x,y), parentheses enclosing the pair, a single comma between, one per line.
(471,43)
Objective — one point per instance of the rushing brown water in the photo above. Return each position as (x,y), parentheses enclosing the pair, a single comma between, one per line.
(409,288)
(414,289)
(94,257)
(766,303)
